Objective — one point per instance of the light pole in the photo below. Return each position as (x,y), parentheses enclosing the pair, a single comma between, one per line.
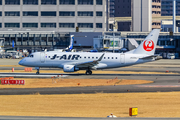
(174,16)
(113,35)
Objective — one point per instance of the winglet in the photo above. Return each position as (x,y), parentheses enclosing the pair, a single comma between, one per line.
(101,57)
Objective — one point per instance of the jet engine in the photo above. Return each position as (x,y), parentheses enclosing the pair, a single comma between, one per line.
(70,68)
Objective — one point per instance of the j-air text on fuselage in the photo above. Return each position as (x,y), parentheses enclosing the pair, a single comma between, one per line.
(75,61)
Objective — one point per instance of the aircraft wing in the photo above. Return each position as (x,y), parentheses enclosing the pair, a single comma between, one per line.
(89,63)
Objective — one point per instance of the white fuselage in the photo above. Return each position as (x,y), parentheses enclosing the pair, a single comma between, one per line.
(59,59)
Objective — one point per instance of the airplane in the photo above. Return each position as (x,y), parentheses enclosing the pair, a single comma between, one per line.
(75,61)
(70,47)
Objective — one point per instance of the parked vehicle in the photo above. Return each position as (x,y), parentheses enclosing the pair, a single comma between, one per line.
(171,56)
(13,54)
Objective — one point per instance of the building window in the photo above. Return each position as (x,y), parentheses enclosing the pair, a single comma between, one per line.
(162,42)
(0,13)
(27,13)
(98,25)
(1,4)
(168,43)
(13,25)
(48,25)
(12,2)
(153,12)
(98,13)
(0,25)
(85,2)
(154,6)
(85,25)
(12,13)
(30,2)
(48,2)
(47,13)
(99,2)
(30,25)
(66,25)
(85,13)
(67,2)
(66,13)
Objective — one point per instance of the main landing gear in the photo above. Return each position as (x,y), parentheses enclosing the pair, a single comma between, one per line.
(88,72)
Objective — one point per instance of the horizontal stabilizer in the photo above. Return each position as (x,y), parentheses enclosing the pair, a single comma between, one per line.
(157,57)
(148,57)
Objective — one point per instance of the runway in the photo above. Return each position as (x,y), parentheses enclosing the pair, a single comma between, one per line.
(162,82)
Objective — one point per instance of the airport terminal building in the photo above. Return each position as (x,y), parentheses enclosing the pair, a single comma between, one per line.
(53,15)
(39,24)
(47,23)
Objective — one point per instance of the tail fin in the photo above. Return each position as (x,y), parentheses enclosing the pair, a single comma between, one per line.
(71,43)
(148,46)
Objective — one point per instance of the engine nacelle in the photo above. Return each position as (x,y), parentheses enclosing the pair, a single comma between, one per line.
(70,68)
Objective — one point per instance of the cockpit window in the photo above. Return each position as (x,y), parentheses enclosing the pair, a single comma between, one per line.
(30,56)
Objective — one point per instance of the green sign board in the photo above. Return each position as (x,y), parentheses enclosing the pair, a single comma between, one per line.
(115,44)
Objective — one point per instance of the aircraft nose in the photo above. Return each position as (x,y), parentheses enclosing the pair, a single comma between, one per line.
(21,62)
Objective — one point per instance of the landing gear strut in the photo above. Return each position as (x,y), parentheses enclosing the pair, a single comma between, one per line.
(37,73)
(88,72)
(37,68)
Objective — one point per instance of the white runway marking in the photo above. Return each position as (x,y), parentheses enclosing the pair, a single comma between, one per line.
(160,86)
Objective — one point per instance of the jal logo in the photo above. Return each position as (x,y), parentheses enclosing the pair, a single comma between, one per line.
(148,45)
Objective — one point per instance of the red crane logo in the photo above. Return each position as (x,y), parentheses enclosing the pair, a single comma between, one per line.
(148,45)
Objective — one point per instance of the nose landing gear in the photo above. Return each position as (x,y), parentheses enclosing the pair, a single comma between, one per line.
(37,68)
(37,73)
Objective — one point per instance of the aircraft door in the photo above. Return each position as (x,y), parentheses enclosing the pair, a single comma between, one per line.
(122,58)
(42,57)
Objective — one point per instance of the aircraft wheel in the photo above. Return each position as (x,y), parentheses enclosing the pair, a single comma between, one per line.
(88,72)
(37,73)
